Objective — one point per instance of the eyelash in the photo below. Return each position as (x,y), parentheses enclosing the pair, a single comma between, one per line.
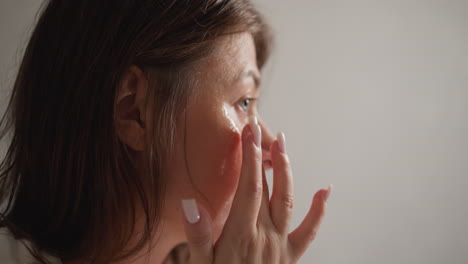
(250,100)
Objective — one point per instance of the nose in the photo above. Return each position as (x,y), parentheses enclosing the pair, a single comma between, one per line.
(267,140)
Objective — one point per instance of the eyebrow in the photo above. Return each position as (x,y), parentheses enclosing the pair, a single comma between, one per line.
(249,73)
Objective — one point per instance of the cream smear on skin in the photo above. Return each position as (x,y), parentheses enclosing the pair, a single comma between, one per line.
(232,124)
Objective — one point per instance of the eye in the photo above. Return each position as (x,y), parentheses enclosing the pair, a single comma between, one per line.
(245,103)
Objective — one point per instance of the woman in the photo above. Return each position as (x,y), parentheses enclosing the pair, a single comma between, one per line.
(128,116)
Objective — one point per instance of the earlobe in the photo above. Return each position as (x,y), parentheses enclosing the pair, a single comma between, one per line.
(129,108)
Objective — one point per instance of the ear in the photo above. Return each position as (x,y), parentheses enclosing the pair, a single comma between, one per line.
(130,108)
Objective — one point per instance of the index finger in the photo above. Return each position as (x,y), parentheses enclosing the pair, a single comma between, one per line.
(248,197)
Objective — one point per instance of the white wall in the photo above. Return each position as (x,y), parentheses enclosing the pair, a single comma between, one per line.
(373,97)
(16,24)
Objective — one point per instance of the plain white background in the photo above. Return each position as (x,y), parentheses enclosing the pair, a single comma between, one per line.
(373,97)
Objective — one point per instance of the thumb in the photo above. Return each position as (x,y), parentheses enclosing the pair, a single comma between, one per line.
(198,229)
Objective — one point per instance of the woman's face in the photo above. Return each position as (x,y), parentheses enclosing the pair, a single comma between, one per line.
(208,155)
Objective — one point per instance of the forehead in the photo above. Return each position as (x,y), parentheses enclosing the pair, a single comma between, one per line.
(233,54)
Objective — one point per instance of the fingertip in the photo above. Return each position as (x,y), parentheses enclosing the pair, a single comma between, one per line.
(281,142)
(276,153)
(199,235)
(197,222)
(329,190)
(274,149)
(323,194)
(249,139)
(205,217)
(191,211)
(255,130)
(195,216)
(246,132)
(319,194)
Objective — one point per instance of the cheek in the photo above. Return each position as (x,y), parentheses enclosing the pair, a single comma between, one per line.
(221,186)
(214,158)
(223,189)
(217,172)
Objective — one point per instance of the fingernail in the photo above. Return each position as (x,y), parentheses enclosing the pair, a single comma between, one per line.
(327,194)
(255,128)
(190,209)
(281,142)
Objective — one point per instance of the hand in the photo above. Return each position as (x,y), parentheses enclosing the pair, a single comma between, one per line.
(256,230)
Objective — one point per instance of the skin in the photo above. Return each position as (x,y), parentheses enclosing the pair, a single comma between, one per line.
(215,116)
(256,230)
(210,160)
(217,111)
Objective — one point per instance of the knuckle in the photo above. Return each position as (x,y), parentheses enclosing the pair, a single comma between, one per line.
(247,242)
(271,245)
(258,157)
(287,200)
(247,234)
(312,235)
(199,239)
(269,249)
(256,189)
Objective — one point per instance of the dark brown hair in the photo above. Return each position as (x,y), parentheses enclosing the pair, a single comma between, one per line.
(68,185)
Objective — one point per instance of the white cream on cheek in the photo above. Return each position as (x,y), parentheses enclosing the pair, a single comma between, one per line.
(230,167)
(233,127)
(232,124)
